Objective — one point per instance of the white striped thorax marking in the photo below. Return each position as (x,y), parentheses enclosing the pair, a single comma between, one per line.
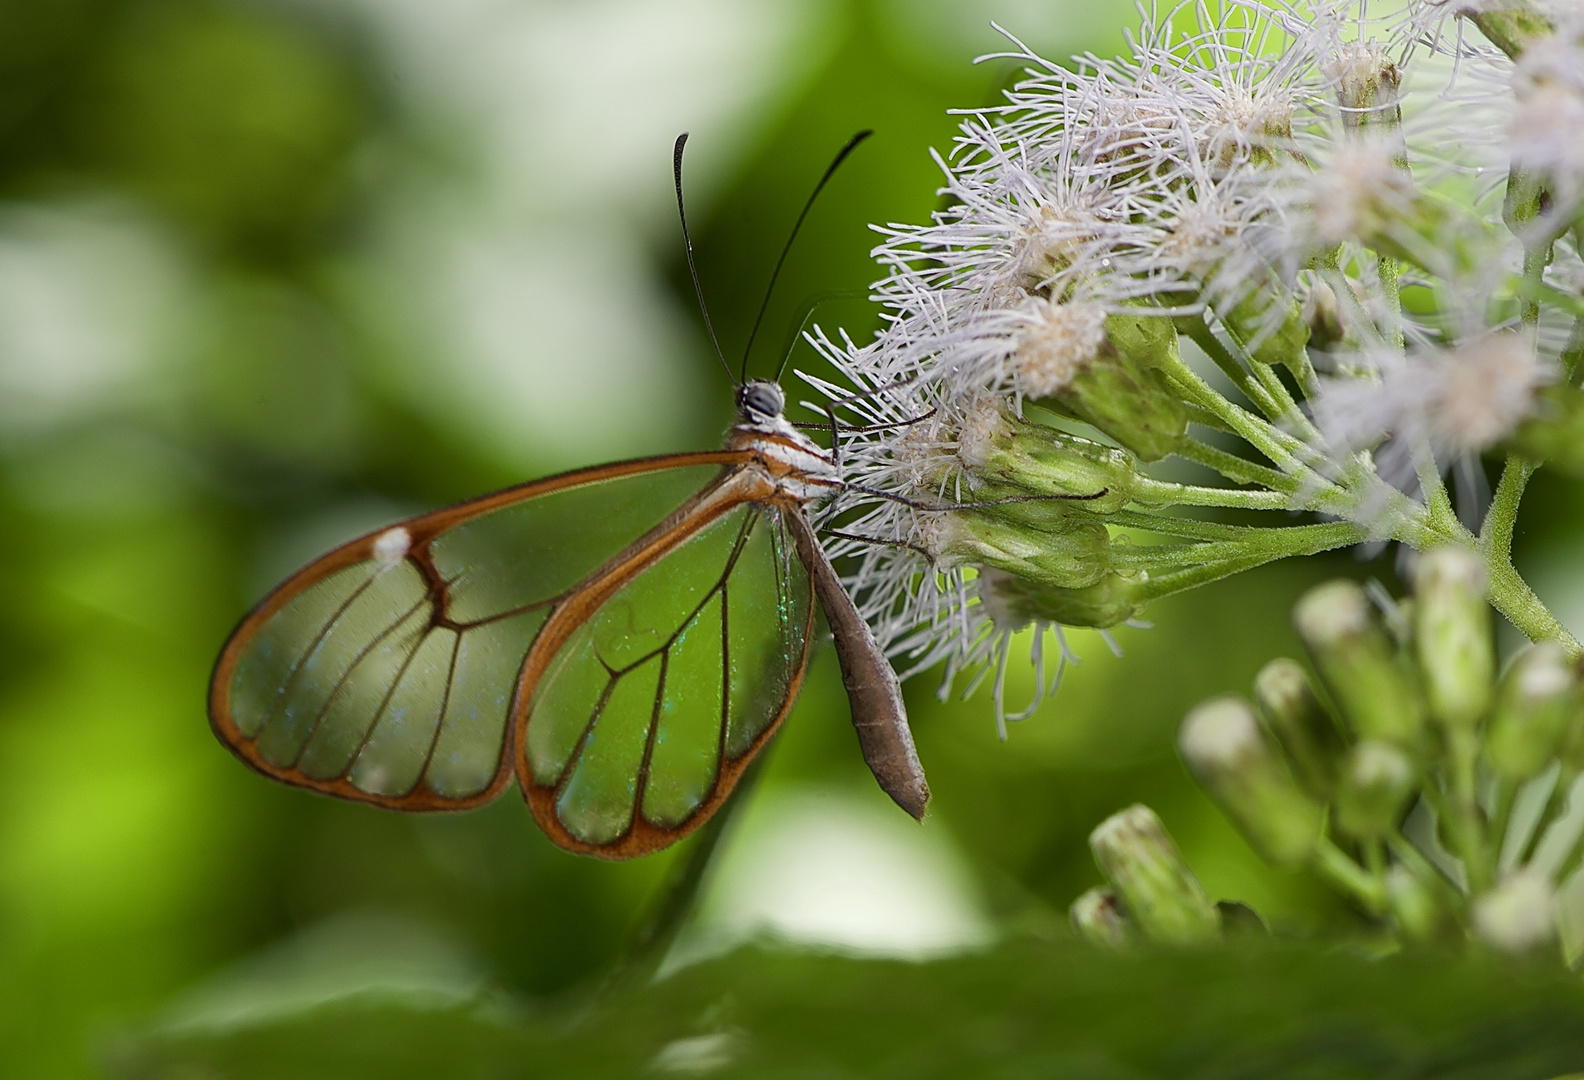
(797,466)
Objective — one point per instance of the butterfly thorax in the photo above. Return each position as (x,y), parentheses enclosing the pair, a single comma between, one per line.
(799,468)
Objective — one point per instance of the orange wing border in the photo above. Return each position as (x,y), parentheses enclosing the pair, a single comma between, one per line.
(642,837)
(423,529)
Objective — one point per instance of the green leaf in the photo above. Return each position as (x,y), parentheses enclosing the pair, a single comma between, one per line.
(1025,1009)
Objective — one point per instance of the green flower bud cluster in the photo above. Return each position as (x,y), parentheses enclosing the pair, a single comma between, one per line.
(1041,509)
(1312,311)
(1400,766)
(1038,530)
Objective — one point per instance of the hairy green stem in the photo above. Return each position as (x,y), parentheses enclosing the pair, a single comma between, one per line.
(1200,334)
(1391,293)
(1279,448)
(1510,594)
(1151,492)
(1180,527)
(1291,415)
(1438,501)
(1234,468)
(1215,560)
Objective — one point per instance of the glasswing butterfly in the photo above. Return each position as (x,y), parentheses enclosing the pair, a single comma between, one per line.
(622,639)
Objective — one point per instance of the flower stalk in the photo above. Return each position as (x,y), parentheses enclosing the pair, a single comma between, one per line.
(1330,788)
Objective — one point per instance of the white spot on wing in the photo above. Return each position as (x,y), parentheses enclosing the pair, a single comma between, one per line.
(391,547)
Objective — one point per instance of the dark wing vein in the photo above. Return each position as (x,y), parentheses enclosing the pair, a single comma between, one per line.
(341,682)
(419,637)
(445,702)
(317,640)
(588,730)
(664,652)
(651,732)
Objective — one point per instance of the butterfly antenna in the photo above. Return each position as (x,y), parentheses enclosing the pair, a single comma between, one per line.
(841,156)
(687,245)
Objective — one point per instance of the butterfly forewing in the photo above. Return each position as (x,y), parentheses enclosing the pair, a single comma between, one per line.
(386,670)
(646,715)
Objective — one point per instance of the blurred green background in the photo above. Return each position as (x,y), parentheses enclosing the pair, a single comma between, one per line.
(275,272)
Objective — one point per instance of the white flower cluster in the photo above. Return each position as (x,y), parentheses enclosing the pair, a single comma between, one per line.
(1310,186)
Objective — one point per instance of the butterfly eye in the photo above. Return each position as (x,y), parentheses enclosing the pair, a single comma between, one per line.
(760,400)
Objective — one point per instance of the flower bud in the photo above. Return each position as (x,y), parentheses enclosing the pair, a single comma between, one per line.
(1323,313)
(1533,707)
(1130,403)
(1421,908)
(1162,896)
(1107,602)
(1365,193)
(1516,914)
(1146,340)
(1097,916)
(1369,683)
(1300,724)
(1066,550)
(1378,780)
(1223,746)
(1366,84)
(1452,623)
(1065,360)
(1006,457)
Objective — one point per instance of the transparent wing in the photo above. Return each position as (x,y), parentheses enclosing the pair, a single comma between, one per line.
(646,715)
(385,671)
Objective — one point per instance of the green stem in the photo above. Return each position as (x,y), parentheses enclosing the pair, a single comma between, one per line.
(1391,293)
(1501,520)
(1416,861)
(1305,375)
(1573,354)
(1506,794)
(1279,448)
(1179,527)
(1438,501)
(1375,859)
(1509,593)
(1465,823)
(1291,415)
(1152,492)
(1236,469)
(1219,559)
(1197,414)
(1200,334)
(1329,861)
(1536,257)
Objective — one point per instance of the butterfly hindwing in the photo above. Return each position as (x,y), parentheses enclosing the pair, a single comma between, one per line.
(386,670)
(645,716)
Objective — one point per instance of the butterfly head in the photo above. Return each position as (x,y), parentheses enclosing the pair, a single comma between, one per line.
(759,401)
